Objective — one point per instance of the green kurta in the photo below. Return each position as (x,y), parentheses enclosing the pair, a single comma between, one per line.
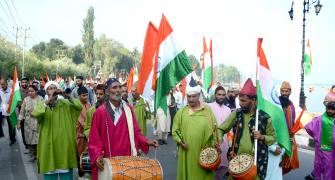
(56,147)
(140,112)
(196,130)
(89,117)
(245,145)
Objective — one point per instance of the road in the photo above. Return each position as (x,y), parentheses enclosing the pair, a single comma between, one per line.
(15,165)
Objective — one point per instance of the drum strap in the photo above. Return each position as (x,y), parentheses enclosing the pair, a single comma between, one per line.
(129,118)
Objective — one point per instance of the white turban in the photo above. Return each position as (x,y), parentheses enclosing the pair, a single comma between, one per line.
(51,83)
(193,90)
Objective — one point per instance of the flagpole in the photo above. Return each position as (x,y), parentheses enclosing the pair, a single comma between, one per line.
(257,111)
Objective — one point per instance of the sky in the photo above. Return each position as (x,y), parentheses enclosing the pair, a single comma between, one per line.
(233,25)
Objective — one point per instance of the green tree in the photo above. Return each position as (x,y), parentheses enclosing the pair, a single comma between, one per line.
(39,50)
(195,64)
(52,48)
(88,36)
(78,54)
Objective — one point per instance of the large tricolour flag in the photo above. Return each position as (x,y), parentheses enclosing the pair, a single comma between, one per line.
(145,77)
(172,64)
(269,102)
(14,100)
(207,65)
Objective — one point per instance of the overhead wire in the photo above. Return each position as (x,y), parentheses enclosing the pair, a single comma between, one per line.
(10,12)
(17,14)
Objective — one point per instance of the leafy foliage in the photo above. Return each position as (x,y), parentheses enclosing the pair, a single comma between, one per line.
(88,36)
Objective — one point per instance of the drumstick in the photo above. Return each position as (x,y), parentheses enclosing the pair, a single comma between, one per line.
(256,141)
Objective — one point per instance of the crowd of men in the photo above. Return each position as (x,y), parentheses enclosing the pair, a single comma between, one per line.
(59,124)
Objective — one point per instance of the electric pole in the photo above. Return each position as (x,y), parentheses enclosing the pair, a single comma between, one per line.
(24,47)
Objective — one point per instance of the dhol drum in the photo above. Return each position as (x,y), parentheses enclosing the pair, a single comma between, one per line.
(85,162)
(242,167)
(131,168)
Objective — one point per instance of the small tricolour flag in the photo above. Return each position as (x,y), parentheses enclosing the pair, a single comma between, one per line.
(268,102)
(14,100)
(207,65)
(308,58)
(172,64)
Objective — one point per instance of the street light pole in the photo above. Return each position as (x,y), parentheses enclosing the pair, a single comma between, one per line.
(307,6)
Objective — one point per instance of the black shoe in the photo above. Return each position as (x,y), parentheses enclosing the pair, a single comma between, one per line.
(169,134)
(309,177)
(164,142)
(12,142)
(160,142)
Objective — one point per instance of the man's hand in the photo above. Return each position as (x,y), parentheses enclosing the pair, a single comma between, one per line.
(277,151)
(184,145)
(259,136)
(153,143)
(18,125)
(100,163)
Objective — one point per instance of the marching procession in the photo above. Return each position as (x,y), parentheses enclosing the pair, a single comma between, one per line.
(103,139)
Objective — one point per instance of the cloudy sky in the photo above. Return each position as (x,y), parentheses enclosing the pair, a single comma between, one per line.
(234,26)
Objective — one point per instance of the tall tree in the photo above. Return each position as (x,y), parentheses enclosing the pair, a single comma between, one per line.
(88,36)
(78,54)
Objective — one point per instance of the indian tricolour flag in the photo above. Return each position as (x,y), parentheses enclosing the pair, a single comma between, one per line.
(172,64)
(308,58)
(269,102)
(145,77)
(207,65)
(14,100)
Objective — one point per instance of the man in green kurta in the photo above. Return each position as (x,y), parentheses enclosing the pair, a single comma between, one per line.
(139,106)
(242,121)
(192,130)
(100,95)
(56,149)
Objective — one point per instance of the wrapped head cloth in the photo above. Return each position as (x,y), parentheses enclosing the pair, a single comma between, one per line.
(193,88)
(51,83)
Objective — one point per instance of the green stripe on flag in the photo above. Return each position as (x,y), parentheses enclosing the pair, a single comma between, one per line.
(207,78)
(308,64)
(278,120)
(169,77)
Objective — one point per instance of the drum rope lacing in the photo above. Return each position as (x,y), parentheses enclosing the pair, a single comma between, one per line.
(142,168)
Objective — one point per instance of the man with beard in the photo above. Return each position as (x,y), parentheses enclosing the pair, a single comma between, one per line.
(100,95)
(24,94)
(114,130)
(139,106)
(193,129)
(124,93)
(221,112)
(242,121)
(289,163)
(80,83)
(229,100)
(322,130)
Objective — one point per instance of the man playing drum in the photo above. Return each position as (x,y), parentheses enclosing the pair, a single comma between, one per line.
(192,130)
(109,134)
(242,121)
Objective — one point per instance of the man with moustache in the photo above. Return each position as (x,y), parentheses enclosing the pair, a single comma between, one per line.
(111,133)
(289,163)
(229,100)
(24,94)
(322,130)
(242,121)
(192,129)
(124,93)
(221,112)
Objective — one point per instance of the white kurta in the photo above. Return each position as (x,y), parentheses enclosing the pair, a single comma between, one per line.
(274,171)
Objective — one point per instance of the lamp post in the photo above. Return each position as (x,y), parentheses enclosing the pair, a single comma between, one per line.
(307,6)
